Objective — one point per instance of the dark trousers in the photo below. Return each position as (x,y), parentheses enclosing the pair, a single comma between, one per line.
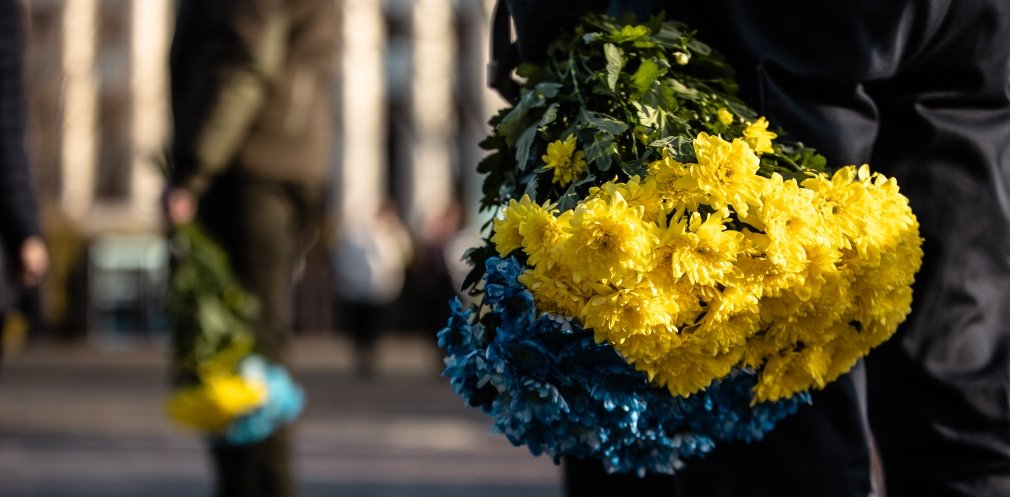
(260,469)
(265,227)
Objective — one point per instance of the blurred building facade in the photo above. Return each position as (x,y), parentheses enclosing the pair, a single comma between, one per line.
(411,107)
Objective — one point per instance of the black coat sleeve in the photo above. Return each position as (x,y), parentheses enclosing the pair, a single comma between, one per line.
(537,22)
(18,209)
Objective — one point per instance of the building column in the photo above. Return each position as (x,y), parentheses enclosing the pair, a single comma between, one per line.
(429,176)
(80,127)
(150,39)
(360,146)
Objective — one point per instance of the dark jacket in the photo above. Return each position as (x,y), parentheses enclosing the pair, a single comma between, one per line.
(18,209)
(250,89)
(919,90)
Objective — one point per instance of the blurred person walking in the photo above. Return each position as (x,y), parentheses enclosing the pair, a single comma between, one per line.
(23,257)
(251,102)
(370,263)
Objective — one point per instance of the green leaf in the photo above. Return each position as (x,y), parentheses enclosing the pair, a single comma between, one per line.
(525,141)
(568,200)
(523,145)
(602,122)
(532,183)
(630,33)
(634,168)
(513,122)
(475,258)
(615,63)
(684,91)
(647,73)
(490,163)
(599,151)
(648,115)
(680,147)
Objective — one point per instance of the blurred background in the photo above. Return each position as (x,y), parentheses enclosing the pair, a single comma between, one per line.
(84,376)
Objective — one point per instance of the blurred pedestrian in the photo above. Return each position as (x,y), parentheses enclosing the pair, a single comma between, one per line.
(23,256)
(433,268)
(251,84)
(919,90)
(370,260)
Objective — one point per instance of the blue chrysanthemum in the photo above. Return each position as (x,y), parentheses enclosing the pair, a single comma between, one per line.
(285,400)
(549,386)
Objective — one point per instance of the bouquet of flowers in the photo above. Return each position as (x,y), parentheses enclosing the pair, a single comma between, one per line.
(222,387)
(663,271)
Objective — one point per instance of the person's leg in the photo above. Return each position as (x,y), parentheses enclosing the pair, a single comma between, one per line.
(258,224)
(822,450)
(259,469)
(587,478)
(939,434)
(364,320)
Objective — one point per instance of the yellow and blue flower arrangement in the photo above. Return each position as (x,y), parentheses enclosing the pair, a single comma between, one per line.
(663,272)
(222,387)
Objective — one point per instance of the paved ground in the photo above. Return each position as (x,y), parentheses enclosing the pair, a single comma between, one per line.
(87,421)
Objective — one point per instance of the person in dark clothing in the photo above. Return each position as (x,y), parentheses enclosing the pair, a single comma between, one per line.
(919,90)
(23,256)
(251,84)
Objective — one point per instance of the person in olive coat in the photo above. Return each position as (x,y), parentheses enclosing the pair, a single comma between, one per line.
(251,84)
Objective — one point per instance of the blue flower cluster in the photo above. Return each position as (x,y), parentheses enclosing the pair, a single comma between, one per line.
(285,400)
(550,386)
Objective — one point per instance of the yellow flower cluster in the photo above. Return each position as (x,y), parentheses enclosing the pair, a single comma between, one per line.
(700,268)
(222,395)
(212,405)
(567,163)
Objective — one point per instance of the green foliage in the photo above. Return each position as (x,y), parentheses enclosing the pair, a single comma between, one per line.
(629,92)
(210,311)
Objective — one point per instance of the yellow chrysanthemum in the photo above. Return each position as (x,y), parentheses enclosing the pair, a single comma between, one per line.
(617,313)
(792,371)
(506,237)
(726,302)
(891,218)
(883,288)
(756,135)
(553,290)
(636,193)
(703,250)
(788,216)
(726,172)
(213,405)
(842,203)
(609,241)
(723,331)
(724,116)
(665,173)
(692,366)
(542,234)
(567,163)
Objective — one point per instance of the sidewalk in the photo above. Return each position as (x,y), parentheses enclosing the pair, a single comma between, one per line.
(84,422)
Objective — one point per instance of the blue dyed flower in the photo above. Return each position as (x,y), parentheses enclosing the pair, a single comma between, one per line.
(556,391)
(284,402)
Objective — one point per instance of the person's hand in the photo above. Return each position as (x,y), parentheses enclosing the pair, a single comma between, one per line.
(180,206)
(34,261)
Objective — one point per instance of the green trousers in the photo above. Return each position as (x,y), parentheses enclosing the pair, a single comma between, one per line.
(265,227)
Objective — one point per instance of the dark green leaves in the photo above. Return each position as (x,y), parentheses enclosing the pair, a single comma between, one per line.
(630,93)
